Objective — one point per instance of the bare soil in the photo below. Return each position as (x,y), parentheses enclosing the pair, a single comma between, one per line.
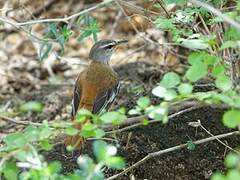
(137,143)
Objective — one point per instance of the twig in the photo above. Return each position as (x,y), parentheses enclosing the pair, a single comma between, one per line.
(133,52)
(117,18)
(158,153)
(19,122)
(64,19)
(132,24)
(162,6)
(218,139)
(51,124)
(140,118)
(174,110)
(105,139)
(8,156)
(136,8)
(216,12)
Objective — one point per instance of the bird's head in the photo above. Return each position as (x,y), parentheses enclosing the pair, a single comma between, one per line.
(102,50)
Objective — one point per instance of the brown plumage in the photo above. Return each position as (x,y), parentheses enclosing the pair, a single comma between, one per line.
(96,87)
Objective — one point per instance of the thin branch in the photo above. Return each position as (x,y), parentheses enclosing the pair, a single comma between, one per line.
(219,139)
(7,157)
(19,122)
(158,153)
(132,24)
(174,110)
(64,19)
(136,8)
(216,12)
(140,118)
(163,7)
(51,124)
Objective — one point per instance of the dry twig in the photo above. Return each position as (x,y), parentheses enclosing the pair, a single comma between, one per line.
(158,153)
(216,12)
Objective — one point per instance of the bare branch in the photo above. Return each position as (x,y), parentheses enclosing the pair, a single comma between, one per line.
(216,12)
(64,19)
(158,153)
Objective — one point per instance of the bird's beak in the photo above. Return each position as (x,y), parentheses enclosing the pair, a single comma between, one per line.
(121,41)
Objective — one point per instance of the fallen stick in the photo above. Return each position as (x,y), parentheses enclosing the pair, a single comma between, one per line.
(158,153)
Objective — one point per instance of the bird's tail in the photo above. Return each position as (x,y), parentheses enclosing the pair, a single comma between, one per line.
(76,141)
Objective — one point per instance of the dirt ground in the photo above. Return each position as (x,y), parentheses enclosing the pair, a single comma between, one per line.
(137,143)
(140,67)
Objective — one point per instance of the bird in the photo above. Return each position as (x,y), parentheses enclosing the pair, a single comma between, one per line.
(96,86)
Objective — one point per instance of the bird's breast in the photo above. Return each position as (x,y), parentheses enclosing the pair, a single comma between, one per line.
(103,76)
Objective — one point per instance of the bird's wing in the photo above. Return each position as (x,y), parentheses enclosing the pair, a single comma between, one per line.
(76,98)
(104,99)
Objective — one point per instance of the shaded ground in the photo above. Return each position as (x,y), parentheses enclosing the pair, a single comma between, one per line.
(137,143)
(22,79)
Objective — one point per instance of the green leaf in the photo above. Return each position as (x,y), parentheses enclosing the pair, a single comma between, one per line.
(45,132)
(143,102)
(170,95)
(100,150)
(233,174)
(238,5)
(178,2)
(31,133)
(54,167)
(82,114)
(15,140)
(210,60)
(170,80)
(95,37)
(88,130)
(113,117)
(10,171)
(159,91)
(86,165)
(44,50)
(195,57)
(66,32)
(197,71)
(218,70)
(217,176)
(145,122)
(84,35)
(61,41)
(190,146)
(99,133)
(164,23)
(230,44)
(157,112)
(32,106)
(53,29)
(226,99)
(89,126)
(71,131)
(223,82)
(185,88)
(231,118)
(232,34)
(232,160)
(45,145)
(115,162)
(195,44)
(134,112)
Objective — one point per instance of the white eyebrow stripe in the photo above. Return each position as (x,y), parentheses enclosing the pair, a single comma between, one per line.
(110,44)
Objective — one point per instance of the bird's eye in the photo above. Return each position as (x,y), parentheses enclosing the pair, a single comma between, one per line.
(109,46)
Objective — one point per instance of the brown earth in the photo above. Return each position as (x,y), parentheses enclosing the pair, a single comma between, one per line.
(135,144)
